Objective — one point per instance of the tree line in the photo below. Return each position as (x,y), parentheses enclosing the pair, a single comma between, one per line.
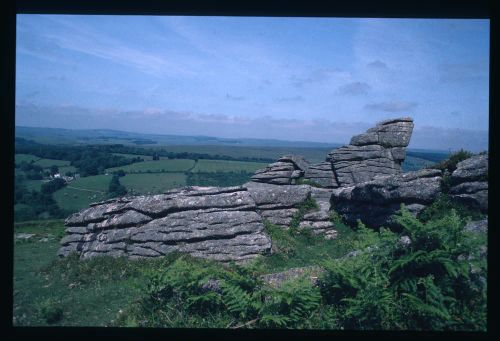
(94,159)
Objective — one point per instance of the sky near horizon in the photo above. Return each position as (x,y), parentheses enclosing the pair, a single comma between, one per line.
(311,79)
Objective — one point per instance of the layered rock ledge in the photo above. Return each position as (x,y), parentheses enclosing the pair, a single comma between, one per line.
(373,202)
(362,180)
(379,151)
(470,182)
(214,223)
(224,224)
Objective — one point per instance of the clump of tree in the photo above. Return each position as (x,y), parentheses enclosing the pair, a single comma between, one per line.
(89,160)
(32,171)
(116,189)
(450,164)
(31,204)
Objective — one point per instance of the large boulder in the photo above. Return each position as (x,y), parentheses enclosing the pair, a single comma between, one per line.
(379,151)
(374,202)
(470,182)
(224,224)
(214,223)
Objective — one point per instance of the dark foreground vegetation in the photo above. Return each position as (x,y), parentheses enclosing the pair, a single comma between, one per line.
(372,280)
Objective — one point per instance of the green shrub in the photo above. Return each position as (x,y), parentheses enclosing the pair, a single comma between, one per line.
(51,311)
(426,285)
(435,282)
(450,164)
(335,218)
(443,206)
(283,241)
(308,205)
(289,305)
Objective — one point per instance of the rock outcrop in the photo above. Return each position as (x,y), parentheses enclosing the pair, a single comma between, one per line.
(319,220)
(477,226)
(285,171)
(224,224)
(279,204)
(362,180)
(215,223)
(322,174)
(470,182)
(379,151)
(373,202)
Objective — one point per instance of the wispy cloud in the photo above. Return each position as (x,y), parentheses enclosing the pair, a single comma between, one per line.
(80,37)
(318,76)
(164,121)
(461,72)
(354,89)
(290,99)
(394,106)
(377,64)
(234,98)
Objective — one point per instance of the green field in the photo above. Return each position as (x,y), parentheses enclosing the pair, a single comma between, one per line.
(64,166)
(152,183)
(33,184)
(145,157)
(412,163)
(64,169)
(40,285)
(81,192)
(47,163)
(226,166)
(175,165)
(313,155)
(25,157)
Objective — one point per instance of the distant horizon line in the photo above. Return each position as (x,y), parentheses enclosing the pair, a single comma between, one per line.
(194,135)
(324,144)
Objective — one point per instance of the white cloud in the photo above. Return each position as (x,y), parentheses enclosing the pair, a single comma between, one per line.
(354,89)
(393,106)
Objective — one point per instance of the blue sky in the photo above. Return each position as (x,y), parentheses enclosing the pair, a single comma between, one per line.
(314,79)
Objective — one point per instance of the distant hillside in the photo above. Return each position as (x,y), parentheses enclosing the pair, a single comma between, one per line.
(107,136)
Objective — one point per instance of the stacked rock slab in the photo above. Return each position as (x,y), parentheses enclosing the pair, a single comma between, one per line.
(285,171)
(322,174)
(224,224)
(470,182)
(379,151)
(215,223)
(374,202)
(319,220)
(278,203)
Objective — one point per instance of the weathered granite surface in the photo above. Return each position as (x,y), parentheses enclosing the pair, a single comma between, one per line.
(215,223)
(477,226)
(373,202)
(379,151)
(362,180)
(285,171)
(322,173)
(224,224)
(470,182)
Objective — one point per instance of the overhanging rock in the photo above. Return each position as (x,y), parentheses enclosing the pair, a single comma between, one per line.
(379,151)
